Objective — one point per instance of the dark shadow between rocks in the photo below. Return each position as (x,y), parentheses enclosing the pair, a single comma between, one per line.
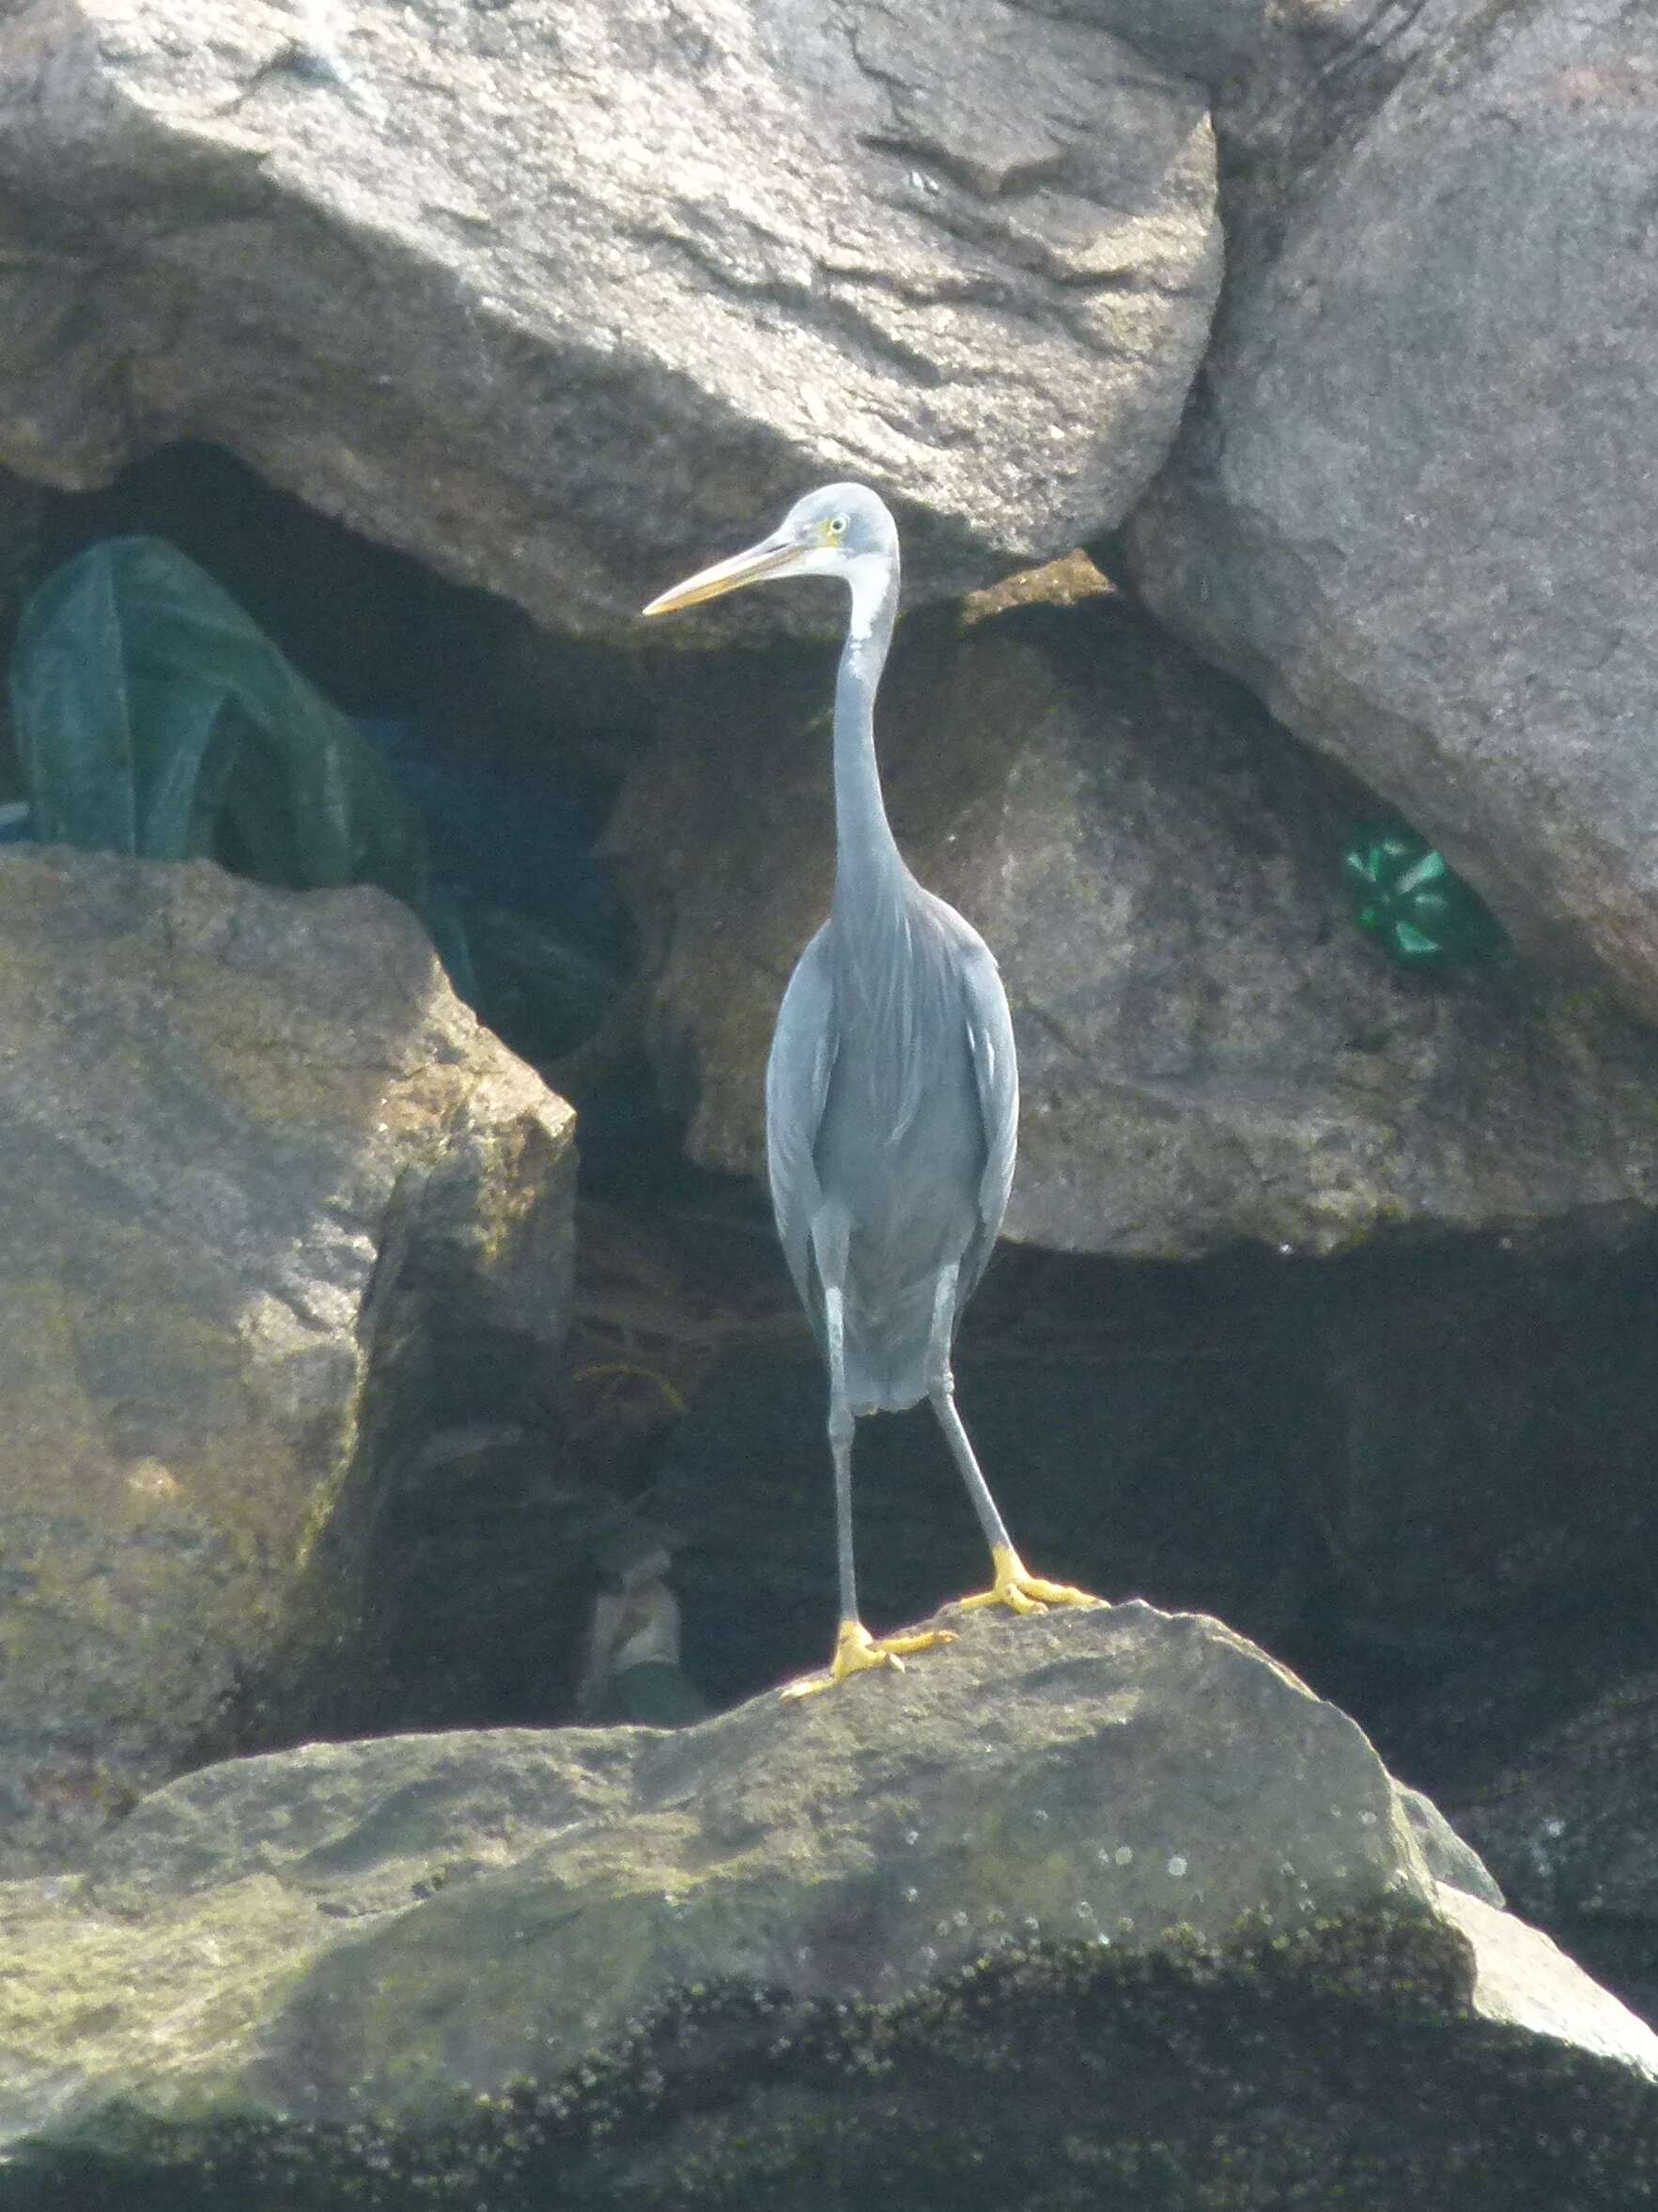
(1388,1468)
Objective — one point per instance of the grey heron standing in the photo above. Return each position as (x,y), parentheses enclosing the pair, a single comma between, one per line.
(892,1092)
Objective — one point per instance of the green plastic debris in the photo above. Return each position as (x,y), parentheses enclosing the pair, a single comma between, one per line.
(154,718)
(1422,915)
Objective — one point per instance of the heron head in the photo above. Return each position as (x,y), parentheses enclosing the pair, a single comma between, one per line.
(842,530)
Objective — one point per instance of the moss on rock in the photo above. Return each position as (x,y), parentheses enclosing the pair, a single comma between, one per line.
(1340,2066)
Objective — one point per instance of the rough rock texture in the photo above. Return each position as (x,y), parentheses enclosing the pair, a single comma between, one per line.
(837,1915)
(1203,39)
(273,1204)
(558,296)
(1410,497)
(1208,1048)
(1571,1821)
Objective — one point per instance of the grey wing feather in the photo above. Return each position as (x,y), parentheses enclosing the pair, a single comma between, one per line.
(996,1071)
(804,1049)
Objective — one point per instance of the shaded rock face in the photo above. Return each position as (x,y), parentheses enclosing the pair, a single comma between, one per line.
(1208,1050)
(1543,1753)
(557,295)
(1409,500)
(1490,1438)
(1181,1475)
(1571,1821)
(274,1205)
(1203,39)
(1388,1468)
(705,1954)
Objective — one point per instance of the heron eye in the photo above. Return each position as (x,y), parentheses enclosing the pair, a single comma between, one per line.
(835,526)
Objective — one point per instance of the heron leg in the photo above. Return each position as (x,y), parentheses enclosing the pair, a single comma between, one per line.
(855,1649)
(1015,1585)
(841,1428)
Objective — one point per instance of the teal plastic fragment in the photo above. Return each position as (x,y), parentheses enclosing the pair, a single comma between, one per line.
(1419,911)
(154,718)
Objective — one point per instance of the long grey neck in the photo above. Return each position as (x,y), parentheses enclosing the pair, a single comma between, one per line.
(869,868)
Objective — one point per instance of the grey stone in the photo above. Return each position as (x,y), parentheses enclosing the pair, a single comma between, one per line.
(1408,499)
(563,297)
(1208,40)
(1524,1981)
(267,1186)
(1209,1050)
(1453,1863)
(397,1927)
(1570,1820)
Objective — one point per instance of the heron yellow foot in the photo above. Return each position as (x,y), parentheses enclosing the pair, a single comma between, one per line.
(1016,1587)
(857,1651)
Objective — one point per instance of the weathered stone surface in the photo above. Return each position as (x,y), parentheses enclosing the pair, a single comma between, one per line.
(1409,500)
(1571,1820)
(559,296)
(388,1927)
(1208,1049)
(273,1204)
(1204,38)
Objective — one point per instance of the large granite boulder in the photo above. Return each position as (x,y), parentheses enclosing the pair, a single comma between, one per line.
(1079,1899)
(557,295)
(274,1206)
(1410,497)
(1209,1049)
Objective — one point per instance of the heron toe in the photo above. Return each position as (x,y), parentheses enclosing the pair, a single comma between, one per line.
(857,1651)
(1020,1591)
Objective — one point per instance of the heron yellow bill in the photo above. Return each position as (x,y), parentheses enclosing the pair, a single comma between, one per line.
(769,558)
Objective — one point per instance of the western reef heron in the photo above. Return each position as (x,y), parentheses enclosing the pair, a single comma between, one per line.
(892,1092)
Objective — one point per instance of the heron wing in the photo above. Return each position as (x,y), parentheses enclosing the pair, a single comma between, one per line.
(996,1071)
(803,1048)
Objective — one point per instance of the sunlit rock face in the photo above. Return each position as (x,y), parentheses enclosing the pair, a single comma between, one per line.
(268,1184)
(1411,500)
(555,295)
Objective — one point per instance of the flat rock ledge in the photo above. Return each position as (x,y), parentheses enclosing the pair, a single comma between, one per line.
(1083,1907)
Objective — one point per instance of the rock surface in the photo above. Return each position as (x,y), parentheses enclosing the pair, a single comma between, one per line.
(1142,1465)
(1409,498)
(559,296)
(1489,1439)
(824,1909)
(273,1204)
(1572,1818)
(1208,40)
(1209,1051)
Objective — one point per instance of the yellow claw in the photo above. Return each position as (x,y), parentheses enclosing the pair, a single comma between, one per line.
(1016,1588)
(857,1651)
